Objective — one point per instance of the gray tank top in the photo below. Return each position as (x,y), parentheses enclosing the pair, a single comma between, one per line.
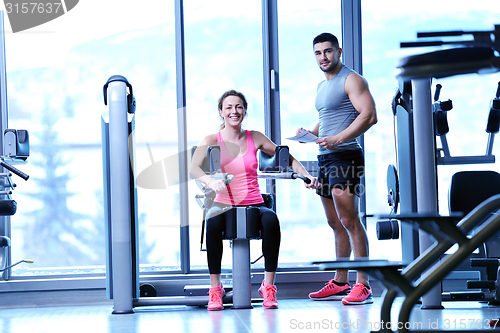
(336,111)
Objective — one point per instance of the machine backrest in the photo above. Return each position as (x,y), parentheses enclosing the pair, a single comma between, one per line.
(211,163)
(469,188)
(279,162)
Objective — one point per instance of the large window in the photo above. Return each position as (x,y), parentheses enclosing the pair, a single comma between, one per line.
(223,51)
(306,235)
(55,77)
(300,211)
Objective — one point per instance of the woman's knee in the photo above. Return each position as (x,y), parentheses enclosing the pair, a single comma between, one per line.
(215,224)
(269,220)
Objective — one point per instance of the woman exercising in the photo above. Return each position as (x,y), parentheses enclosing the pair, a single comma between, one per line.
(238,149)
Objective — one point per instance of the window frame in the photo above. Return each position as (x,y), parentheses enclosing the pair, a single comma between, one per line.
(351,31)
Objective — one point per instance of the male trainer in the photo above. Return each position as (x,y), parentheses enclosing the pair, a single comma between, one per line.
(346,110)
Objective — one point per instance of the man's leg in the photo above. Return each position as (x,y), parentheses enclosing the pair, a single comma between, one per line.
(346,205)
(338,287)
(342,242)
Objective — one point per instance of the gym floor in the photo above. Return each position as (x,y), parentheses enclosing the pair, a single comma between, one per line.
(293,315)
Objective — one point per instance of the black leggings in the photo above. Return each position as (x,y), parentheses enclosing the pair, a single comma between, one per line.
(271,237)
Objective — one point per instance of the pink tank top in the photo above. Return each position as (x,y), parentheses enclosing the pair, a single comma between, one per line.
(244,189)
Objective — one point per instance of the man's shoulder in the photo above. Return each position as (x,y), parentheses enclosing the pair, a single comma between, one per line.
(348,71)
(321,83)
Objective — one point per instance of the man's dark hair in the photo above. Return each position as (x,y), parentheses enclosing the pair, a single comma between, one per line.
(326,37)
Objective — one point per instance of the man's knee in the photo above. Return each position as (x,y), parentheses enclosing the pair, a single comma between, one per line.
(352,224)
(335,224)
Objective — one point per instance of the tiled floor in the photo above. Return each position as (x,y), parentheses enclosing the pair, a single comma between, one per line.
(301,315)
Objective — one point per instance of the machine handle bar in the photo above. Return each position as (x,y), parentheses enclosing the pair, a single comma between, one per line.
(438,91)
(14,170)
(450,33)
(436,43)
(283,175)
(304,178)
(208,192)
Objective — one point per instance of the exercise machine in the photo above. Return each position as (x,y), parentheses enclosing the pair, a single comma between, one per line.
(467,190)
(120,202)
(422,119)
(15,151)
(390,229)
(242,223)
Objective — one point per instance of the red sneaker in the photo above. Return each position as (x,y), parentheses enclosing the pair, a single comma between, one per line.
(331,292)
(215,295)
(360,294)
(268,293)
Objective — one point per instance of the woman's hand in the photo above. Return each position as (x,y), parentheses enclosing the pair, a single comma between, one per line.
(216,185)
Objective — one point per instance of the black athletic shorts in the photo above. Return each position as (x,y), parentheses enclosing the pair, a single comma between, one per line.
(341,169)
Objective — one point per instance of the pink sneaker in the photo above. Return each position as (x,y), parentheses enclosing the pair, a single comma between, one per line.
(268,293)
(215,295)
(331,292)
(360,294)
